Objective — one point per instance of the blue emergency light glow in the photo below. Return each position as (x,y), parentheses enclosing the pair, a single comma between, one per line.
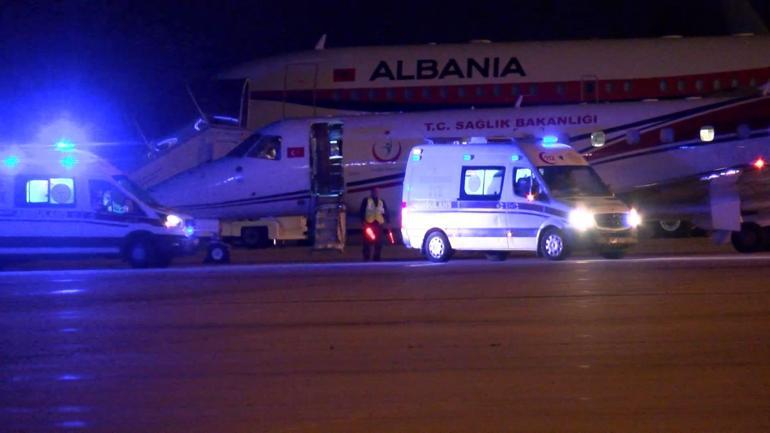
(64,145)
(68,162)
(550,139)
(416,157)
(11,161)
(467,157)
(515,157)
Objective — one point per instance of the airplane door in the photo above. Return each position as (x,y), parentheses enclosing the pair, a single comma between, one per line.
(326,161)
(589,88)
(299,90)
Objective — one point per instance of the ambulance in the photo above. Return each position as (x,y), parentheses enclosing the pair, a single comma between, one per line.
(541,197)
(63,202)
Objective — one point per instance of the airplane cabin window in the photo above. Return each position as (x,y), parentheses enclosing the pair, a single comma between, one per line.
(533,89)
(598,138)
(426,93)
(515,90)
(268,147)
(408,94)
(389,94)
(336,95)
(680,85)
(608,87)
(717,84)
(479,91)
(354,95)
(372,94)
(633,136)
(734,83)
(442,91)
(461,92)
(496,90)
(560,89)
(699,85)
(753,82)
(667,135)
(663,86)
(627,86)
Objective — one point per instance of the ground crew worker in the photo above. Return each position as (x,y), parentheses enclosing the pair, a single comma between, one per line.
(374,217)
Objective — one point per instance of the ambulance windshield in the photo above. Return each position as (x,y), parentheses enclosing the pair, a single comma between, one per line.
(137,191)
(573,180)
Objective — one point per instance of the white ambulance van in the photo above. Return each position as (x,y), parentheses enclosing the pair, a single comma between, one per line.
(498,198)
(72,203)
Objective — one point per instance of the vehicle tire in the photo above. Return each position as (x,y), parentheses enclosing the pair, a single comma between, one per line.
(254,237)
(750,239)
(613,254)
(553,244)
(141,253)
(496,256)
(673,228)
(437,247)
(218,253)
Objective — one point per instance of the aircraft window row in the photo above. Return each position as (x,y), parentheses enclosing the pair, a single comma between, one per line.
(106,198)
(49,191)
(482,183)
(560,89)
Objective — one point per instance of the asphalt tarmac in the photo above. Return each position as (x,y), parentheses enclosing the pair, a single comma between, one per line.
(675,343)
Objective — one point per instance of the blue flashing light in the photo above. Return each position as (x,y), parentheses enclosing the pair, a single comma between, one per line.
(11,161)
(69,162)
(467,157)
(416,157)
(515,157)
(64,145)
(550,139)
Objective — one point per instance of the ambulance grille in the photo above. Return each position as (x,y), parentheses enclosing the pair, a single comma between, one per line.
(611,220)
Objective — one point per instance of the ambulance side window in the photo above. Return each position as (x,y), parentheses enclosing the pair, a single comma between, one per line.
(268,147)
(52,191)
(482,183)
(526,185)
(106,198)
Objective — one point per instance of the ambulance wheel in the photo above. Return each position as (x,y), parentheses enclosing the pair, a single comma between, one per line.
(496,256)
(437,248)
(141,253)
(553,245)
(612,254)
(750,239)
(255,237)
(218,253)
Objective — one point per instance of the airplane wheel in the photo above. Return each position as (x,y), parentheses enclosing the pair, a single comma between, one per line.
(673,229)
(750,239)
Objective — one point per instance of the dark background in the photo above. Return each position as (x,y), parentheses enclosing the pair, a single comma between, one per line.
(104,63)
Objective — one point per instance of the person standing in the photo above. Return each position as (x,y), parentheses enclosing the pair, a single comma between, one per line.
(374,217)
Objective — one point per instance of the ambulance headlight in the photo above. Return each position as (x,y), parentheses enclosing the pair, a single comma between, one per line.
(173,221)
(633,218)
(581,219)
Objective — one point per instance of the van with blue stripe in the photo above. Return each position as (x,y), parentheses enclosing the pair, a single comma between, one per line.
(64,203)
(496,198)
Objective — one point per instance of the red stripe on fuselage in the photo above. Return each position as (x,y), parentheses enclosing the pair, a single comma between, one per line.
(433,94)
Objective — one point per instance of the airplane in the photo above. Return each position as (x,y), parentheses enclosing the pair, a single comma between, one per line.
(700,160)
(338,81)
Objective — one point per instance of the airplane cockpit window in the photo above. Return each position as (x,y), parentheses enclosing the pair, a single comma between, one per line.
(268,147)
(242,149)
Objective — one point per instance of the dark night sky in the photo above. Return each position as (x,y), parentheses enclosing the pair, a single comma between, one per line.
(103,62)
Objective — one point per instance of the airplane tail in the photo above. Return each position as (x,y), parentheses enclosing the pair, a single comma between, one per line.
(742,17)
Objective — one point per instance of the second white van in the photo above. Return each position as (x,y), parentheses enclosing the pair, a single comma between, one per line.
(498,198)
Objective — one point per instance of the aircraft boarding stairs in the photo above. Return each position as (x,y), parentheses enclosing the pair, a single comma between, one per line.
(329,224)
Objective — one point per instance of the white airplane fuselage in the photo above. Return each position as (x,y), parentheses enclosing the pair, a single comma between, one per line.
(646,143)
